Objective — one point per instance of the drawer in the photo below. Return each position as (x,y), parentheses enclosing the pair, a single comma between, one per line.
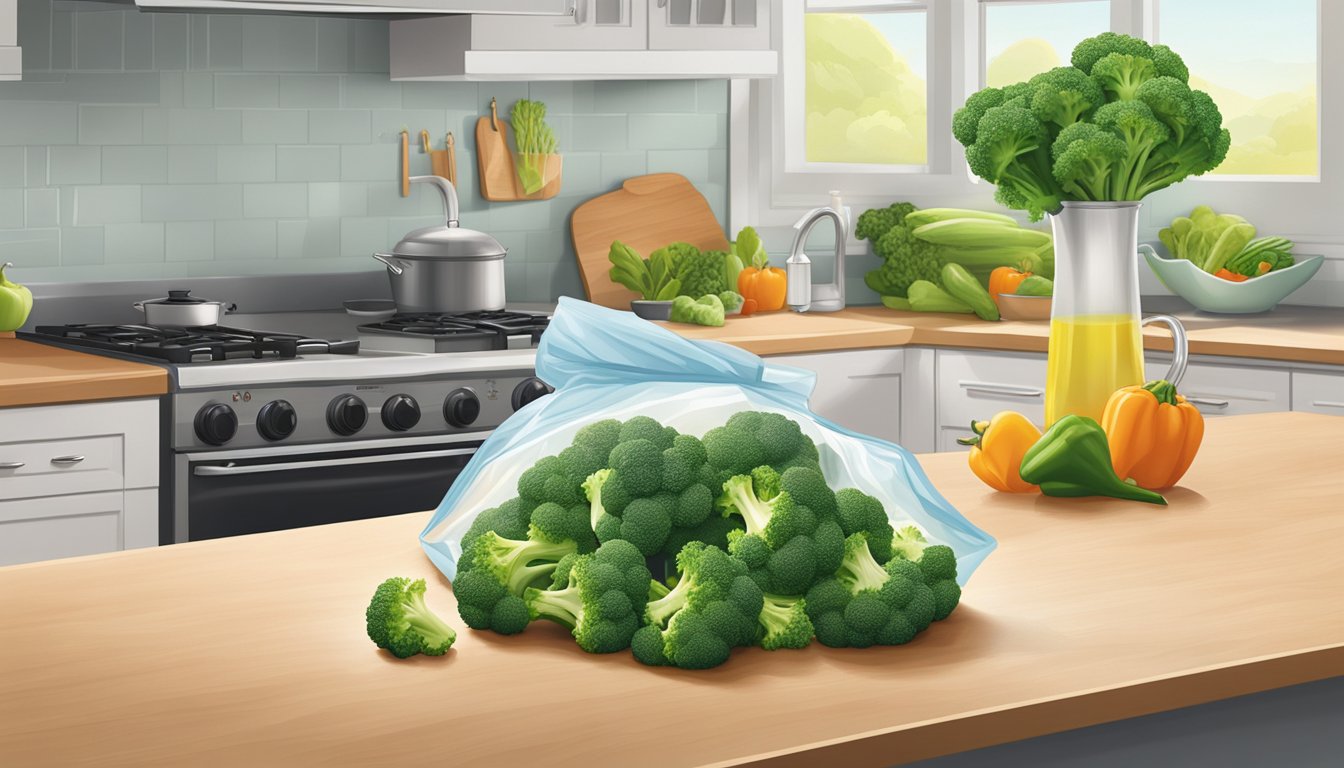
(976,385)
(1318,392)
(857,389)
(1225,390)
(51,467)
(60,526)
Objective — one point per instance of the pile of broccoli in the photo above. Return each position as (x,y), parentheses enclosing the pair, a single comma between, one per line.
(1120,123)
(679,548)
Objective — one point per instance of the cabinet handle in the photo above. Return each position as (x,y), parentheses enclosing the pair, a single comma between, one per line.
(1008,390)
(67,461)
(1208,402)
(1327,404)
(11,464)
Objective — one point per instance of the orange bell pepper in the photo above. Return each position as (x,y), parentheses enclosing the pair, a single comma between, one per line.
(998,446)
(1153,432)
(1005,280)
(763,283)
(1228,274)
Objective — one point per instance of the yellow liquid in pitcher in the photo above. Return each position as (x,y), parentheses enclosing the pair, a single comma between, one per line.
(1091,356)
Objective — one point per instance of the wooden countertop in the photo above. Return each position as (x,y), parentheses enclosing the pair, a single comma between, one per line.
(251,651)
(1292,334)
(38,374)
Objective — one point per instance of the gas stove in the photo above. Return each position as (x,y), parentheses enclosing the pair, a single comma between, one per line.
(191,345)
(443,332)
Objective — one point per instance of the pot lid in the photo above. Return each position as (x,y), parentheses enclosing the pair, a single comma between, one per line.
(449,241)
(179,298)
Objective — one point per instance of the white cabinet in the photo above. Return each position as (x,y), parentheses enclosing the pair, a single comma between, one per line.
(78,479)
(1224,390)
(11,56)
(710,24)
(365,8)
(1318,392)
(973,386)
(858,389)
(602,40)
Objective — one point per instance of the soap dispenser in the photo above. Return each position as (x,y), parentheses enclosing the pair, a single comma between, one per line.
(801,294)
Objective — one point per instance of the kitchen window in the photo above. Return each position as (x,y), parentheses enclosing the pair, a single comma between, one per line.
(1022,39)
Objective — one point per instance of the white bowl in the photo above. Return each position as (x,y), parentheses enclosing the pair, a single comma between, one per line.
(1214,294)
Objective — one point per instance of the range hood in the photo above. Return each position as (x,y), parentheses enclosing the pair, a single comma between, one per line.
(369,7)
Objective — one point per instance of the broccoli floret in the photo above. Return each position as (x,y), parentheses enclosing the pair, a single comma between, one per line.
(1086,159)
(1168,63)
(551,479)
(1134,123)
(599,437)
(1092,50)
(495,572)
(713,608)
(682,463)
(1062,96)
(509,520)
(876,222)
(784,623)
(937,565)
(739,446)
(966,120)
(1203,145)
(714,531)
(639,463)
(398,619)
(786,545)
(1120,75)
(865,604)
(858,512)
(1012,151)
(905,258)
(646,428)
(600,597)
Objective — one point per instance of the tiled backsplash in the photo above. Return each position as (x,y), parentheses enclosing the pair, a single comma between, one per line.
(144,145)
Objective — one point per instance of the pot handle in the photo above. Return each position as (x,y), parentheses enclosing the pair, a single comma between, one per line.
(140,305)
(391,263)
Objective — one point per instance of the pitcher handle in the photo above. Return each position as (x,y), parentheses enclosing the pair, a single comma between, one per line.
(1180,347)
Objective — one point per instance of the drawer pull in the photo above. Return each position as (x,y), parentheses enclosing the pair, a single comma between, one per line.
(1328,404)
(67,461)
(1008,390)
(1208,402)
(11,464)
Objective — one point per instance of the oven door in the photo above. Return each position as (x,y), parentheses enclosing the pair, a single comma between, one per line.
(260,491)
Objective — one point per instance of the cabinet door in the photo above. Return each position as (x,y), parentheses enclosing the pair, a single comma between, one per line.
(976,385)
(859,390)
(597,25)
(1318,392)
(60,526)
(11,59)
(1225,390)
(707,25)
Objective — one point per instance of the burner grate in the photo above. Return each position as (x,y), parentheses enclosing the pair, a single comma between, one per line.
(499,325)
(193,344)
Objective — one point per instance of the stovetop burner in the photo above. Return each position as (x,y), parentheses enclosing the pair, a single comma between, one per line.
(192,345)
(484,324)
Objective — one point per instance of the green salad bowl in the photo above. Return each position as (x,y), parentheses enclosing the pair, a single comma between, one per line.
(1214,294)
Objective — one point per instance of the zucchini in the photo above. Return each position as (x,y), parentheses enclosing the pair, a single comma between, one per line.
(963,287)
(896,302)
(930,215)
(1035,286)
(980,233)
(927,297)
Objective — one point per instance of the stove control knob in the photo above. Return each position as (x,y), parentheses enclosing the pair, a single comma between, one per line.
(346,415)
(400,413)
(461,408)
(531,389)
(216,424)
(277,419)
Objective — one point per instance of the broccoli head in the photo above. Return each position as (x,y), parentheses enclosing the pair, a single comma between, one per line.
(1063,96)
(1012,151)
(1086,159)
(866,604)
(966,120)
(786,545)
(713,608)
(750,439)
(1136,125)
(1087,53)
(876,222)
(398,619)
(784,623)
(600,597)
(937,566)
(858,512)
(495,571)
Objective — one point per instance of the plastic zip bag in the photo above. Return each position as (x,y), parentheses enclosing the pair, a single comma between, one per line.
(606,364)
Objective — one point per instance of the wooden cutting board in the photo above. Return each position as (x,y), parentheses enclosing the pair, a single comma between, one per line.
(646,213)
(493,161)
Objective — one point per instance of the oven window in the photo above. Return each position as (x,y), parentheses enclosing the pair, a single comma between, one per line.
(236,498)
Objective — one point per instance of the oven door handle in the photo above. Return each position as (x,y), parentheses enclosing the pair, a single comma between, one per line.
(252,469)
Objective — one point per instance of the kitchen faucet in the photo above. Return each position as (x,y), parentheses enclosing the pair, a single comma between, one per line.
(818,298)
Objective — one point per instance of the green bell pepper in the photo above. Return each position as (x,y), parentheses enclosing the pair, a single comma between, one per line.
(15,302)
(1074,459)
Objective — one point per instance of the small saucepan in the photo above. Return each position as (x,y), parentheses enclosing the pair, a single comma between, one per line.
(181,309)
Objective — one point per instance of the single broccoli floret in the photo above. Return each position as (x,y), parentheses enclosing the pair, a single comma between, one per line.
(784,623)
(552,479)
(599,437)
(739,446)
(966,120)
(1134,123)
(1120,75)
(398,619)
(639,463)
(865,604)
(1063,96)
(1087,158)
(1088,52)
(600,597)
(682,463)
(597,513)
(509,520)
(858,512)
(646,428)
(937,564)
(1168,63)
(1012,151)
(713,608)
(1202,147)
(494,573)
(786,545)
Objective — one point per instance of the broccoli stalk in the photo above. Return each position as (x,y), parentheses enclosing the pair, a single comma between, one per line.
(599,597)
(398,619)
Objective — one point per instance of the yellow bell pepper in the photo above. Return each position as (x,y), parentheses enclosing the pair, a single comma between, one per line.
(1153,432)
(997,450)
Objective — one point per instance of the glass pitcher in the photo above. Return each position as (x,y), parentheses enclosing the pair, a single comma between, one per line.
(1096,345)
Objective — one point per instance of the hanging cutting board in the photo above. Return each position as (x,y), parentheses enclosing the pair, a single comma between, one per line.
(646,213)
(493,161)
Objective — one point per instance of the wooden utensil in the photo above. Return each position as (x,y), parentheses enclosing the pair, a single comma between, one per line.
(405,163)
(452,158)
(646,213)
(493,159)
(441,161)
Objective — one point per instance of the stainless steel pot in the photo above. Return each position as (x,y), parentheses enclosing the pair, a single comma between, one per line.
(447,268)
(180,309)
